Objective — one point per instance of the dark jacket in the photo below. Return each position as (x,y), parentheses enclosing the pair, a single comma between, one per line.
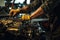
(48,6)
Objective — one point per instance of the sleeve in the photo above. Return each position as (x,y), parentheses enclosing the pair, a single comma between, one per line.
(34,5)
(49,5)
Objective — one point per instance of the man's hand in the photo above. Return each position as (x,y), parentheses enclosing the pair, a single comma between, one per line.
(13,12)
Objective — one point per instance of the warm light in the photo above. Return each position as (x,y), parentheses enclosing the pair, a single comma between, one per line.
(12,29)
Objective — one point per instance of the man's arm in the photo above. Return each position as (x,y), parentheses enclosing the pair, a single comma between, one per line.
(46,7)
(36,13)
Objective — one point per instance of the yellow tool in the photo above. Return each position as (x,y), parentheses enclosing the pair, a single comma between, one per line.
(25,17)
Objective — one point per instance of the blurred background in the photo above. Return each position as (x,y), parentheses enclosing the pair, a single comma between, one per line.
(13,28)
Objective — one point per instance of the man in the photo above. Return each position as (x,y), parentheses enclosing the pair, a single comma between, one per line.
(46,7)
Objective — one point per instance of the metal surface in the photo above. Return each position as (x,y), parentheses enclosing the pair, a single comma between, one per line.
(37,20)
